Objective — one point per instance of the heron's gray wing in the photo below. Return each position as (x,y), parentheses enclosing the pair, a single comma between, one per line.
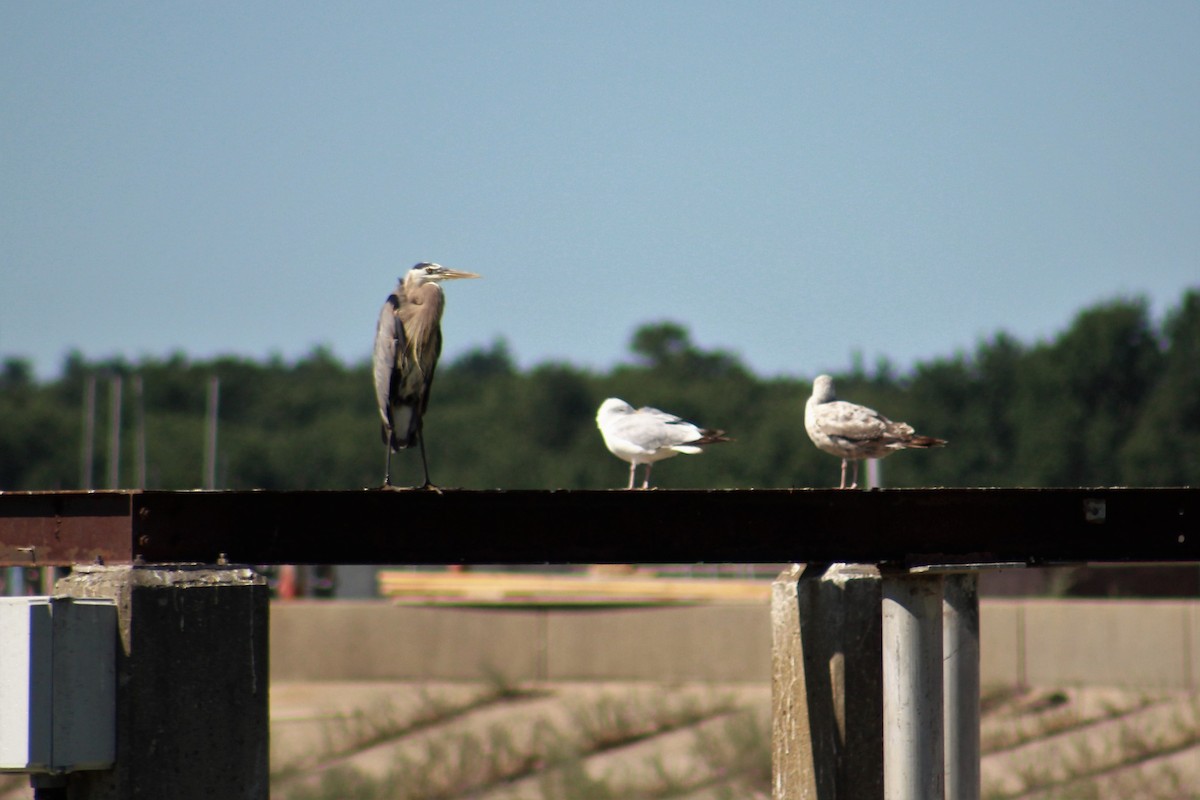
(389,339)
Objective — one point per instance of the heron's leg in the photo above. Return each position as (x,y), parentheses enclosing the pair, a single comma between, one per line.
(424,461)
(632,470)
(387,468)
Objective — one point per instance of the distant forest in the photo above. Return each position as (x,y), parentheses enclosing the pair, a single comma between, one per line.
(1112,400)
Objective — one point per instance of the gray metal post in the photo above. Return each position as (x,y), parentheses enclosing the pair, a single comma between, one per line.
(912,687)
(960,643)
(192,682)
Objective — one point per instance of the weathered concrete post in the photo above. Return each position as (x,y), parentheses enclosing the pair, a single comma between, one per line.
(960,645)
(192,688)
(827,684)
(913,725)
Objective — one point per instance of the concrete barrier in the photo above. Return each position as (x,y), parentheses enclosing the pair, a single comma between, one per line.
(191,708)
(1135,643)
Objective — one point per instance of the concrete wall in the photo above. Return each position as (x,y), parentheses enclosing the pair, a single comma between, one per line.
(1136,643)
(375,640)
(1152,644)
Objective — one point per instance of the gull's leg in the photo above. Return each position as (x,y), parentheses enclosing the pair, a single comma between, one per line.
(646,479)
(843,484)
(632,470)
(854,482)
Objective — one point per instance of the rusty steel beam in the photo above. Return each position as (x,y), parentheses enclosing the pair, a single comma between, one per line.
(904,527)
(61,528)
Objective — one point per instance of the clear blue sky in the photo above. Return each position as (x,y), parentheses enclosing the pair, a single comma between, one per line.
(795,182)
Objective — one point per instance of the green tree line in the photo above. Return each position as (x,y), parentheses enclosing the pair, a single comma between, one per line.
(1112,400)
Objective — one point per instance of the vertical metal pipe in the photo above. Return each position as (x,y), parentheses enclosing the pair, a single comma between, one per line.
(960,644)
(874,473)
(210,449)
(88,455)
(913,726)
(114,433)
(139,467)
(14,581)
(47,577)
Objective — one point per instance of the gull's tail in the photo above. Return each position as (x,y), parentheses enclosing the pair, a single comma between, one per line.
(711,437)
(924,441)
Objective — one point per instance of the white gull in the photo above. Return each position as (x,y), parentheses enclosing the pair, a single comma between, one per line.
(646,435)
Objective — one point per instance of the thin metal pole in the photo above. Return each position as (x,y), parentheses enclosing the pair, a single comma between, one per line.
(139,467)
(874,473)
(913,726)
(88,455)
(14,582)
(114,433)
(48,576)
(210,450)
(960,643)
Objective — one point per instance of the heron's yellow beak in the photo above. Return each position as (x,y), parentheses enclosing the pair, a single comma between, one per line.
(454,274)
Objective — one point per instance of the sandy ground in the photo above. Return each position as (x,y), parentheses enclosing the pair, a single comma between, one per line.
(699,742)
(1043,743)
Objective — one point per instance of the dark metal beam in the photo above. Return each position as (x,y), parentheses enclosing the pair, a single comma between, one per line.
(910,527)
(65,527)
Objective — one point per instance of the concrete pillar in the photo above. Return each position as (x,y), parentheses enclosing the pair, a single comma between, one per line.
(827,738)
(912,687)
(192,689)
(960,674)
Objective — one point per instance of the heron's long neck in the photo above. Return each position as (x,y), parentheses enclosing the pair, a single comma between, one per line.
(425,315)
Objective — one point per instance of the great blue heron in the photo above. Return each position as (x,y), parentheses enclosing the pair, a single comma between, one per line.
(646,435)
(853,432)
(408,342)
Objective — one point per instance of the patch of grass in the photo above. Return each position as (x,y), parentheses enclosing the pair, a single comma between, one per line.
(501,686)
(730,757)
(571,781)
(368,728)
(15,786)
(615,721)
(993,697)
(1053,716)
(1089,768)
(740,749)
(461,764)
(339,782)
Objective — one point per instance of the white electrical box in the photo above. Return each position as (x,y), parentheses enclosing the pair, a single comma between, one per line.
(57,684)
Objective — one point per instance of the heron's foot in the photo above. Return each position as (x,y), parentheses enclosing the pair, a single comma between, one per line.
(431,487)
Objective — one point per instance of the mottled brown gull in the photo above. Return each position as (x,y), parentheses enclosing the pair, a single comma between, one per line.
(853,432)
(646,435)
